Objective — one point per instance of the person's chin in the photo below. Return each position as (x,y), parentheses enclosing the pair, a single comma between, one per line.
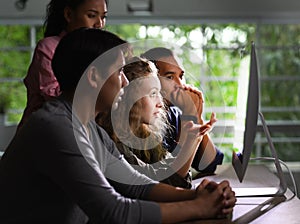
(154,120)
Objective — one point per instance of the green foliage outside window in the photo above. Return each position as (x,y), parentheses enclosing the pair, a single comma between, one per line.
(220,50)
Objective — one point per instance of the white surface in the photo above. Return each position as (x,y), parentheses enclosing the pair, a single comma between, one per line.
(257,210)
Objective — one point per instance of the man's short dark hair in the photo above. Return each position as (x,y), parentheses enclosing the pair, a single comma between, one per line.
(154,54)
(77,50)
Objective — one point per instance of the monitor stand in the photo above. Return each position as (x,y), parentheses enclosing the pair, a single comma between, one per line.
(265,191)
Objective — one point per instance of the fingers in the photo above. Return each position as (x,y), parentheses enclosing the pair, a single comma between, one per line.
(228,206)
(197,129)
(183,100)
(189,100)
(223,185)
(219,198)
(230,202)
(213,118)
(204,184)
(193,90)
(196,95)
(224,190)
(229,196)
(226,211)
(198,100)
(229,199)
(208,126)
(204,129)
(211,186)
(227,191)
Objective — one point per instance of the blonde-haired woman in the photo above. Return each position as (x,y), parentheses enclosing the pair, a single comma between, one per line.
(140,124)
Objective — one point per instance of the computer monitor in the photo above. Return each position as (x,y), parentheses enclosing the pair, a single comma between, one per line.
(240,160)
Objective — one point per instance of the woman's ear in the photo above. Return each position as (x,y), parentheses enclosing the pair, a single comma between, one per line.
(93,77)
(68,14)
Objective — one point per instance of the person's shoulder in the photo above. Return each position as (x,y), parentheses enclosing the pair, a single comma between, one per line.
(48,40)
(54,111)
(174,114)
(53,117)
(102,133)
(48,44)
(175,110)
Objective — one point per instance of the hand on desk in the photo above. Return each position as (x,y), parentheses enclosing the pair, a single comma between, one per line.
(219,198)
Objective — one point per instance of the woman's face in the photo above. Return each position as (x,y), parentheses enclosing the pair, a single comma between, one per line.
(151,102)
(90,14)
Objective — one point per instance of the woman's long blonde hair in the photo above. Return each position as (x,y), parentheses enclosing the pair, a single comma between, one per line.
(150,148)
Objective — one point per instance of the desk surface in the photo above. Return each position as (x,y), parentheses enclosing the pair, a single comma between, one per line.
(257,209)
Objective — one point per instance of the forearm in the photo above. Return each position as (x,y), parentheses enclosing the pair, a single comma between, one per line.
(179,212)
(187,153)
(207,143)
(166,193)
(207,152)
(216,201)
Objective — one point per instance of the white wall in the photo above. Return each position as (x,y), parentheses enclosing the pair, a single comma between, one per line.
(166,11)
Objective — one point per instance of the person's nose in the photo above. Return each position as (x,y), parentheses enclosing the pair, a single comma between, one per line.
(159,103)
(100,23)
(178,81)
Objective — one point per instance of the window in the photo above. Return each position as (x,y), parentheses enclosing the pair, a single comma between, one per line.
(214,57)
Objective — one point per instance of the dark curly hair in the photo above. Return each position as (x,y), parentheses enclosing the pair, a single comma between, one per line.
(55,21)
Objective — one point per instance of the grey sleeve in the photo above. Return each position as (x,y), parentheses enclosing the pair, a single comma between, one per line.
(119,170)
(87,187)
(160,171)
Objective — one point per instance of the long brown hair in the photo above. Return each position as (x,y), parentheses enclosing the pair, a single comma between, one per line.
(150,148)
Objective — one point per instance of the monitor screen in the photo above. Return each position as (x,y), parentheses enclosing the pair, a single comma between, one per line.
(240,160)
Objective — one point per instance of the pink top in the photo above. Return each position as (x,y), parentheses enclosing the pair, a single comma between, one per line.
(40,81)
